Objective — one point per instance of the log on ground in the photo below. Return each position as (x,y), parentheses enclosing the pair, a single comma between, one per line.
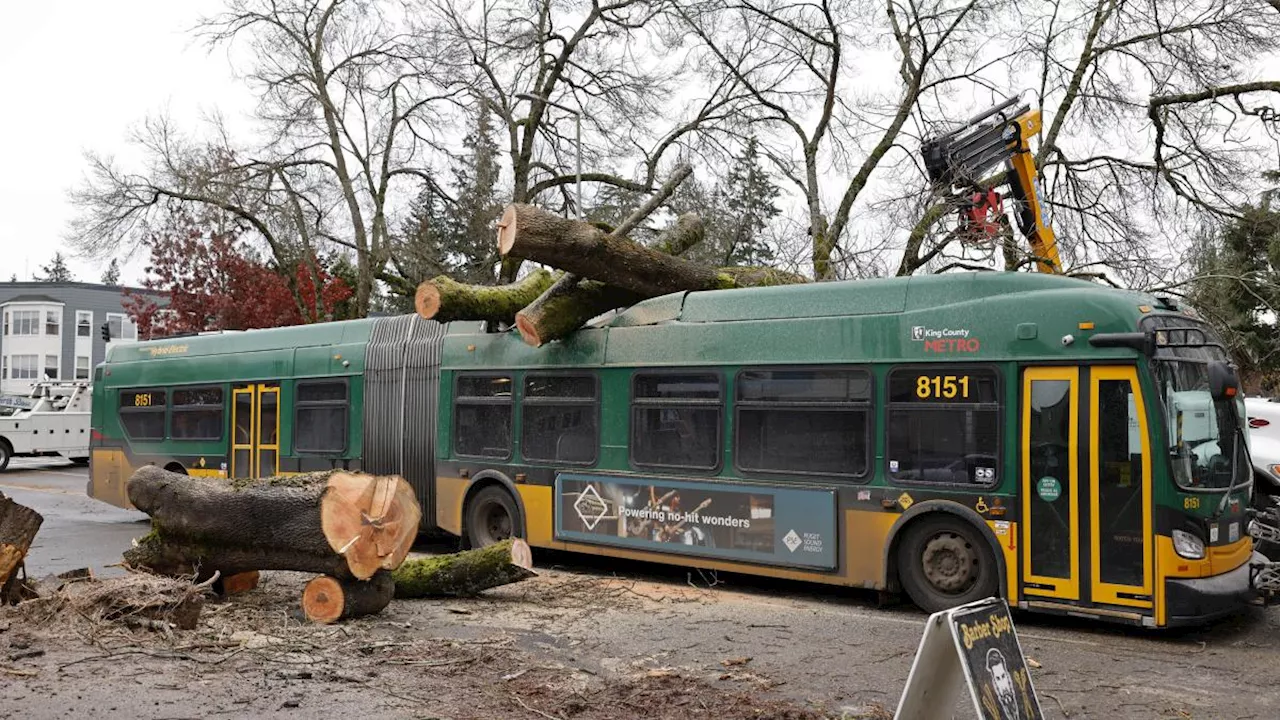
(467,573)
(328,599)
(336,523)
(444,300)
(18,527)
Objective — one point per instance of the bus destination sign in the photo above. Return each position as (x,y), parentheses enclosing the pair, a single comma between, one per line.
(791,526)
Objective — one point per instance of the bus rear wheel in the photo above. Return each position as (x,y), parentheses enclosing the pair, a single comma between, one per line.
(945,562)
(5,453)
(492,517)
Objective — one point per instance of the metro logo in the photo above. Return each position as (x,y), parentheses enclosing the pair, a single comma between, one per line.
(953,345)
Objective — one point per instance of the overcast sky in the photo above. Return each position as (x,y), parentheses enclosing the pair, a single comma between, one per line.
(77,75)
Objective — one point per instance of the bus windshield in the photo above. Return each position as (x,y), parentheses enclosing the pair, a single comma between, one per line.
(1206,437)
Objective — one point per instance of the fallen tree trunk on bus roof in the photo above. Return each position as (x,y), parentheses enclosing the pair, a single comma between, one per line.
(348,525)
(18,527)
(467,573)
(444,300)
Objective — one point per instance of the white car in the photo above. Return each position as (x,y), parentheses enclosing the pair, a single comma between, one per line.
(54,420)
(1264,443)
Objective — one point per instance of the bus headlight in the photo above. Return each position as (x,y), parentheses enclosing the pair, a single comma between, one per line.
(1187,545)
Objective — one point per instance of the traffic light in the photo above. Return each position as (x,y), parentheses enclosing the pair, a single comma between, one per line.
(106,332)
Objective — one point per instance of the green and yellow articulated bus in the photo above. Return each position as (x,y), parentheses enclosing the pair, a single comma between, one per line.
(1073,448)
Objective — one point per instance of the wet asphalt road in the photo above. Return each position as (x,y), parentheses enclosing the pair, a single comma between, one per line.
(78,531)
(818,643)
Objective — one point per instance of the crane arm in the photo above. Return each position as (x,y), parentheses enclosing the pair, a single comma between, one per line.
(998,136)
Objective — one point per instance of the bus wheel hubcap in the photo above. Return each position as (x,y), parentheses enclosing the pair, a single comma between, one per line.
(949,563)
(498,523)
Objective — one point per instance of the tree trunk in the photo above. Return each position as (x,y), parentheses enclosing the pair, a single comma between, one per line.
(18,527)
(444,300)
(466,573)
(327,599)
(583,249)
(566,305)
(337,523)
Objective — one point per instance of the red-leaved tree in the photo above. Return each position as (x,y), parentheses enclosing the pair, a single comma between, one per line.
(215,281)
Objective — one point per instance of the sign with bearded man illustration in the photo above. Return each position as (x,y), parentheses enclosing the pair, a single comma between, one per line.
(974,645)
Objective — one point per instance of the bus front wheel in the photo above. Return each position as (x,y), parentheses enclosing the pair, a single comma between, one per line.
(492,516)
(944,562)
(5,453)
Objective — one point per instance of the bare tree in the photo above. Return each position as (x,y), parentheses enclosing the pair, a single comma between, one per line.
(608,62)
(345,110)
(1132,168)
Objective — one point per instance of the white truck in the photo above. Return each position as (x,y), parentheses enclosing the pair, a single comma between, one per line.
(52,420)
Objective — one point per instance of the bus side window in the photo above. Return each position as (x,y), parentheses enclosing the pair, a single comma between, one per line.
(560,419)
(676,420)
(142,413)
(320,416)
(803,421)
(197,414)
(482,413)
(944,425)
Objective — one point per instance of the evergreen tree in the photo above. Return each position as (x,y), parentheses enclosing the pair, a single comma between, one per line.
(1237,286)
(748,197)
(454,237)
(111,276)
(56,270)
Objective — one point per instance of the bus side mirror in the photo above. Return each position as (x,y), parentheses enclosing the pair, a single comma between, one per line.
(1223,383)
(1143,342)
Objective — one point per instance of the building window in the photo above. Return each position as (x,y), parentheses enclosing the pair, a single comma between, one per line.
(22,322)
(115,326)
(51,367)
(811,422)
(320,420)
(142,414)
(482,416)
(675,420)
(4,368)
(24,367)
(559,419)
(52,322)
(944,425)
(84,323)
(82,367)
(197,414)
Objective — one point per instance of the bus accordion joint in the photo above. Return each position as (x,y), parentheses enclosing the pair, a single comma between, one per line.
(1143,342)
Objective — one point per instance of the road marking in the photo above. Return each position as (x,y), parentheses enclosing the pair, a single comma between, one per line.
(40,488)
(82,476)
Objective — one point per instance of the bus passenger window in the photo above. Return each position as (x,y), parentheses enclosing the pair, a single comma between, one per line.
(197,414)
(482,416)
(812,422)
(320,417)
(142,414)
(559,419)
(675,420)
(944,425)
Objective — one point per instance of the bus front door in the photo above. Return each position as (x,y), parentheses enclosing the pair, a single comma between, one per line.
(1085,482)
(255,450)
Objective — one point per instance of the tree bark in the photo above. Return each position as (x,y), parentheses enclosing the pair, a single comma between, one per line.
(467,573)
(337,523)
(583,249)
(18,527)
(327,599)
(444,300)
(565,306)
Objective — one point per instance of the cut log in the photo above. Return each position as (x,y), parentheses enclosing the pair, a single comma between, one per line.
(582,249)
(327,599)
(336,523)
(467,573)
(18,527)
(445,300)
(564,307)
(571,301)
(237,584)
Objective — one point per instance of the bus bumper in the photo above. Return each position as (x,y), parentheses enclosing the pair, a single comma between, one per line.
(1196,601)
